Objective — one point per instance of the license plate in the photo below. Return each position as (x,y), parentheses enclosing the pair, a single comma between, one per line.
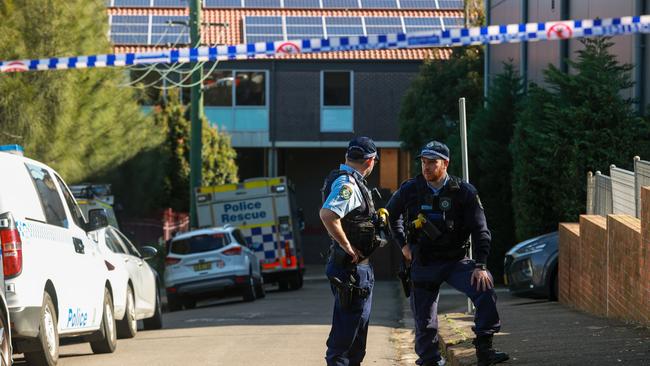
(202,266)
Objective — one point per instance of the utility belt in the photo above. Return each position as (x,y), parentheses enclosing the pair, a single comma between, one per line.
(348,292)
(342,259)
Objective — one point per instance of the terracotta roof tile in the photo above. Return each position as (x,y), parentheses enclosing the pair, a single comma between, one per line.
(233,33)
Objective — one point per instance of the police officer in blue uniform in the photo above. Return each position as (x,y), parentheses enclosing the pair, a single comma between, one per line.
(433,216)
(348,214)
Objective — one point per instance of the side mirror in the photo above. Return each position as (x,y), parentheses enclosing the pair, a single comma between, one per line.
(148,252)
(97,219)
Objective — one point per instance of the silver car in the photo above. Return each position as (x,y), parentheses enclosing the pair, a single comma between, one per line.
(208,262)
(530,267)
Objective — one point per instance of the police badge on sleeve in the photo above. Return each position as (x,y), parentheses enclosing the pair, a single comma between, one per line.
(345,192)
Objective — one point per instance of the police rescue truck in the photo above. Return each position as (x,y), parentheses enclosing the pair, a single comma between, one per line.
(265,211)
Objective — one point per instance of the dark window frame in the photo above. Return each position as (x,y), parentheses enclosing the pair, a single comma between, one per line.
(63,221)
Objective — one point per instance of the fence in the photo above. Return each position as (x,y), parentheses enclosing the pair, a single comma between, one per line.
(618,193)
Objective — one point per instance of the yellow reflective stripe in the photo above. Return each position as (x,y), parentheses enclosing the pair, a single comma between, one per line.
(215,189)
(248,185)
(264,224)
(82,202)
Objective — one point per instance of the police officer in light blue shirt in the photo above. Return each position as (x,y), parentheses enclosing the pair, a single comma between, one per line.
(348,214)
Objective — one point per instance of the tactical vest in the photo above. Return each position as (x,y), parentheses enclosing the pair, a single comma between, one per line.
(358,224)
(445,212)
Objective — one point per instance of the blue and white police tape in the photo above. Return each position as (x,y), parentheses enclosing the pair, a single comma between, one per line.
(495,34)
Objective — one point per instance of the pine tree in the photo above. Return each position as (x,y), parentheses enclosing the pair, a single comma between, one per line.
(78,121)
(490,137)
(583,122)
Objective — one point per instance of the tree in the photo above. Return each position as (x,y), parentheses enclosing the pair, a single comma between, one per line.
(430,108)
(490,137)
(77,121)
(218,156)
(583,122)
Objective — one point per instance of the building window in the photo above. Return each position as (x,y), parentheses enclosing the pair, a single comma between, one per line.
(250,88)
(336,88)
(337,101)
(218,89)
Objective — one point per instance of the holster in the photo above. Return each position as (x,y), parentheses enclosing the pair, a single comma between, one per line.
(348,293)
(342,259)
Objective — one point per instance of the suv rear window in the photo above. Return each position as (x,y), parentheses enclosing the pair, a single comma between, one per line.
(198,244)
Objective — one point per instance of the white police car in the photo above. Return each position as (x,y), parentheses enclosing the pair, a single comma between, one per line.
(56,279)
(208,262)
(134,282)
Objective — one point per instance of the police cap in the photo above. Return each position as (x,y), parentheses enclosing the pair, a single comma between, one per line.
(362,148)
(434,150)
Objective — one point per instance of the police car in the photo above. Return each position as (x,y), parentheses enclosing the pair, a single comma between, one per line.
(208,262)
(56,279)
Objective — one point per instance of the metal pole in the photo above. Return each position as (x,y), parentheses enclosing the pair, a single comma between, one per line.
(196,110)
(463,147)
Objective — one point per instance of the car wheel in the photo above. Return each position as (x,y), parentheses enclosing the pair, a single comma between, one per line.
(108,341)
(259,289)
(174,303)
(249,289)
(5,343)
(128,327)
(296,282)
(48,337)
(155,322)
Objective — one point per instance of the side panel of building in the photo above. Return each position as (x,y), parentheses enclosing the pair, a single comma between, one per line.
(541,54)
(504,12)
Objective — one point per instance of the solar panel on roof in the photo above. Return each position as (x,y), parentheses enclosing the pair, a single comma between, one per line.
(418,4)
(171,3)
(169,30)
(129,29)
(344,26)
(132,3)
(451,4)
(222,3)
(379,4)
(421,24)
(263,29)
(302,4)
(262,3)
(383,25)
(453,22)
(304,27)
(345,4)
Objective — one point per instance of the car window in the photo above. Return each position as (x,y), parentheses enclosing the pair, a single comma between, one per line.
(239,237)
(127,243)
(198,244)
(75,211)
(113,244)
(50,199)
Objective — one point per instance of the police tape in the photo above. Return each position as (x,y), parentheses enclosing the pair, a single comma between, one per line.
(495,34)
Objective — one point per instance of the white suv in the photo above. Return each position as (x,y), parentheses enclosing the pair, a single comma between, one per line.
(55,277)
(208,262)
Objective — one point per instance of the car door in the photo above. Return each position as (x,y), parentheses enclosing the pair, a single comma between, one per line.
(145,291)
(90,272)
(252,258)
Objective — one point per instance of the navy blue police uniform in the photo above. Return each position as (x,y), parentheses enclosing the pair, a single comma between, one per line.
(345,192)
(440,255)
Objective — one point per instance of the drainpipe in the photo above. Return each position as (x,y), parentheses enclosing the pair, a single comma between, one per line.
(564,44)
(486,56)
(640,68)
(523,49)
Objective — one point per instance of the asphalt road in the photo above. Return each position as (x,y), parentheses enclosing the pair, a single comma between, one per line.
(285,328)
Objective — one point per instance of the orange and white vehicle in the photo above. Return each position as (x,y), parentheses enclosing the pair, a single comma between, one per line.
(264,209)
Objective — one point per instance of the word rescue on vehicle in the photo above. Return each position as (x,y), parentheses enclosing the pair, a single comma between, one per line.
(245,211)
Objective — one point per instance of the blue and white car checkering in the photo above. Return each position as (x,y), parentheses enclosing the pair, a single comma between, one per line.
(494,34)
(262,239)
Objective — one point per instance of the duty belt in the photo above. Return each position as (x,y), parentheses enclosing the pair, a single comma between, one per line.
(343,259)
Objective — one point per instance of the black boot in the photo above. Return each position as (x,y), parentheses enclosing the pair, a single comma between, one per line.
(487,355)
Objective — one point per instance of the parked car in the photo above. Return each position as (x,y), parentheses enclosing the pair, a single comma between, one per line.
(5,330)
(134,282)
(208,262)
(530,267)
(56,280)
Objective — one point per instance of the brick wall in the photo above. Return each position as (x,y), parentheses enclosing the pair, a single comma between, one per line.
(604,264)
